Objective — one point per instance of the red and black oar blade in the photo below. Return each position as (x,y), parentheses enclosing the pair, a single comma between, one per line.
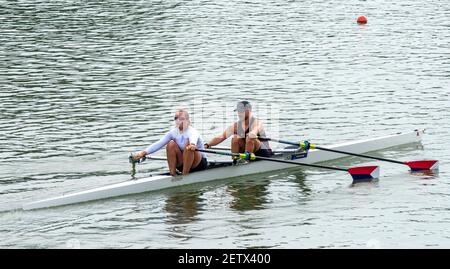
(423,165)
(364,172)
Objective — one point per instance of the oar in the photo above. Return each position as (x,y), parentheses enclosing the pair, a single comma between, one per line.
(413,165)
(357,173)
(220,148)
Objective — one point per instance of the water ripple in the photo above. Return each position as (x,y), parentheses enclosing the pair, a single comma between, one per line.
(83,83)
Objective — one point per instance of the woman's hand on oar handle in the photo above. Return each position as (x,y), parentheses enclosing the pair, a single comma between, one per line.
(191,147)
(138,156)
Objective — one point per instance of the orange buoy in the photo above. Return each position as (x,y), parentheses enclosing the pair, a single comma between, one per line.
(361,20)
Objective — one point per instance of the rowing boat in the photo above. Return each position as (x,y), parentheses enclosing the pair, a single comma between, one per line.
(221,170)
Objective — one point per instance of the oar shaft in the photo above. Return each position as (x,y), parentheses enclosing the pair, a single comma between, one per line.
(220,148)
(218,152)
(279,141)
(358,155)
(158,158)
(357,173)
(304,164)
(272,159)
(313,146)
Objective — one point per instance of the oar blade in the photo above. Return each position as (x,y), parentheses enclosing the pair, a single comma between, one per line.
(364,173)
(423,165)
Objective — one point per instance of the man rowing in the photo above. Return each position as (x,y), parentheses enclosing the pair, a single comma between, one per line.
(182,142)
(245,133)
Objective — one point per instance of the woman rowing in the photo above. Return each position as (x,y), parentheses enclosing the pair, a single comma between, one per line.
(182,142)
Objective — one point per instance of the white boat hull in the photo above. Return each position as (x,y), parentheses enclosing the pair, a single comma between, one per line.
(159,182)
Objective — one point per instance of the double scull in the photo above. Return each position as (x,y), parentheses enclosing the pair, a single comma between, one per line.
(221,170)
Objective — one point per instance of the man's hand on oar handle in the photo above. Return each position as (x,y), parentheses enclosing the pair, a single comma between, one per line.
(252,135)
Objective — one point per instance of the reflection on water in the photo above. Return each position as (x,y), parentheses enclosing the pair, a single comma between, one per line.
(242,194)
(426,174)
(183,207)
(298,176)
(250,195)
(365,183)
